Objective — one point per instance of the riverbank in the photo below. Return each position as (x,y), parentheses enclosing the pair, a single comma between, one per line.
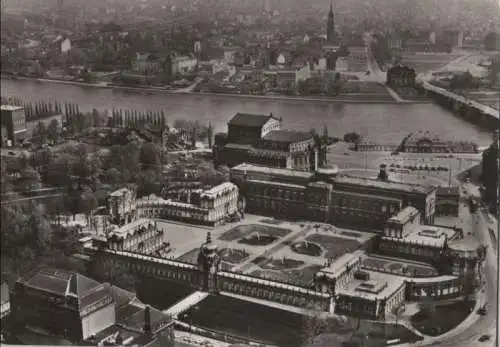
(348,99)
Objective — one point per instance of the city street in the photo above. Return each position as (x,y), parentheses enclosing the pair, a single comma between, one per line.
(469,336)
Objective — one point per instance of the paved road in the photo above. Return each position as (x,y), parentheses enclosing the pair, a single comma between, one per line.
(485,324)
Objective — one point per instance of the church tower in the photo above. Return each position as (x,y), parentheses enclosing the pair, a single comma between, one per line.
(330,26)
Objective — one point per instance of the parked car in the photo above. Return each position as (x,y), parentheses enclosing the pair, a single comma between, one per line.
(484,338)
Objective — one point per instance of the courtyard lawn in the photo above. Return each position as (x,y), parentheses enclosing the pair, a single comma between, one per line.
(248,320)
(443,319)
(303,276)
(334,246)
(229,255)
(399,267)
(245,230)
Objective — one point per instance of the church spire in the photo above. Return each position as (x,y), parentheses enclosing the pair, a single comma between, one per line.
(330,25)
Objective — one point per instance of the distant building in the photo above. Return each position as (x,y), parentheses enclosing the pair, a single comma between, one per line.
(184,64)
(401,76)
(13,118)
(146,64)
(77,308)
(424,142)
(259,139)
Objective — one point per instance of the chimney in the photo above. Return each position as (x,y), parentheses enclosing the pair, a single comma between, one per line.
(147,320)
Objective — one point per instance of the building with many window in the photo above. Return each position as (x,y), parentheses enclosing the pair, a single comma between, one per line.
(13,121)
(77,308)
(259,139)
(140,236)
(447,201)
(209,207)
(325,196)
(424,142)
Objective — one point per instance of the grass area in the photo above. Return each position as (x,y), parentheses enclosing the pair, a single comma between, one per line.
(399,268)
(248,320)
(242,231)
(233,256)
(228,255)
(280,264)
(443,318)
(307,248)
(303,277)
(161,293)
(364,87)
(335,246)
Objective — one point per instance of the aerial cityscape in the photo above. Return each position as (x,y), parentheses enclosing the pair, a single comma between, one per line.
(250,173)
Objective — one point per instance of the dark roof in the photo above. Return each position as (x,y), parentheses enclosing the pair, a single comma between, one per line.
(64,282)
(287,136)
(249,120)
(121,296)
(132,316)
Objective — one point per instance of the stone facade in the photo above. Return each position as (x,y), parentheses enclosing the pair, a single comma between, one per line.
(210,207)
(259,139)
(324,196)
(139,236)
(122,206)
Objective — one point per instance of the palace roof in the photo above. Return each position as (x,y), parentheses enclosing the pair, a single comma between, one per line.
(219,190)
(250,120)
(404,215)
(386,185)
(378,287)
(287,136)
(249,168)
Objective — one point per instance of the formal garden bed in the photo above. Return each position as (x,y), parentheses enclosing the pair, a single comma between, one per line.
(277,264)
(435,320)
(233,256)
(242,231)
(303,277)
(307,248)
(334,246)
(271,221)
(258,239)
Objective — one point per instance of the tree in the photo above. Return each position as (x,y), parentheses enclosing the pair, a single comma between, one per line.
(53,131)
(352,137)
(150,156)
(40,133)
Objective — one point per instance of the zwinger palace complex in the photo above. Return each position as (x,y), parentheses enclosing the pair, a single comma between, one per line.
(283,174)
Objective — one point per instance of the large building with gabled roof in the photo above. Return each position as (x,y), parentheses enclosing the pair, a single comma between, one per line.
(72,306)
(259,139)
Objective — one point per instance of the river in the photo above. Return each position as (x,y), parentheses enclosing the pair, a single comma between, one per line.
(387,123)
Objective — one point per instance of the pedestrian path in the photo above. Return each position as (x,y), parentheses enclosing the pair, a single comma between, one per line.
(186,303)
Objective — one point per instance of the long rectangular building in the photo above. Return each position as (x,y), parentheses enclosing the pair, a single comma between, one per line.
(325,196)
